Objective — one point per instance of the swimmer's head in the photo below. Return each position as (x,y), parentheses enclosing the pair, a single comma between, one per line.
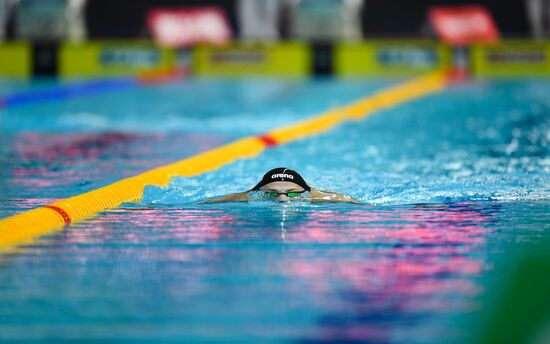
(282,184)
(282,174)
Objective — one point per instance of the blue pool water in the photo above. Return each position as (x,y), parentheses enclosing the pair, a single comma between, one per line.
(455,184)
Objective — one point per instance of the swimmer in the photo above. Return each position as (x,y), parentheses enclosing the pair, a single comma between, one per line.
(283,185)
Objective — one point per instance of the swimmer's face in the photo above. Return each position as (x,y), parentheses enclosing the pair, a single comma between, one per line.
(282,188)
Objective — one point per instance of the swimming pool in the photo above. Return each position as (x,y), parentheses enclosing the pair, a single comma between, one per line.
(456,183)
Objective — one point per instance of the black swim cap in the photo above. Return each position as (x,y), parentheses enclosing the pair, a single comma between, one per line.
(282,174)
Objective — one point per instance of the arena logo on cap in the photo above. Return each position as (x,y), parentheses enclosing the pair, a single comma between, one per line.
(282,175)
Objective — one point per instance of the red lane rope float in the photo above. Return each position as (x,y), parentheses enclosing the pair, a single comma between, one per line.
(161,76)
(61,212)
(268,140)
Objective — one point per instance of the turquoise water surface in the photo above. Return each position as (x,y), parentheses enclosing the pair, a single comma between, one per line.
(455,184)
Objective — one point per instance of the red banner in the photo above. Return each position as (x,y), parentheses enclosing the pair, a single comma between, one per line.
(464,25)
(183,27)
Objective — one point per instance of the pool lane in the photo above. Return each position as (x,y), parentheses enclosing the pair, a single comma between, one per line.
(167,270)
(479,141)
(54,150)
(63,214)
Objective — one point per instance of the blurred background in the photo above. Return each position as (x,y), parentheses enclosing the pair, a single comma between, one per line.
(51,25)
(51,20)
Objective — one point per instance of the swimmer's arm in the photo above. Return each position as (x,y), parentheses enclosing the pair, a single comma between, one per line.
(234,197)
(319,196)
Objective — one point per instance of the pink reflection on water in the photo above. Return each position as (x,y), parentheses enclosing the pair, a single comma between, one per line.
(45,160)
(46,147)
(371,268)
(154,225)
(419,226)
(32,202)
(414,257)
(87,160)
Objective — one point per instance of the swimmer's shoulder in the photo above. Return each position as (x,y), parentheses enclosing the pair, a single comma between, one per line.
(317,196)
(321,196)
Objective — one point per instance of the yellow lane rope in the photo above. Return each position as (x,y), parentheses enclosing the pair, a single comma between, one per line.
(29,224)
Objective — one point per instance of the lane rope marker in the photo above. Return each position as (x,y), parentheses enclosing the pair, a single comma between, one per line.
(268,140)
(61,212)
(27,225)
(93,86)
